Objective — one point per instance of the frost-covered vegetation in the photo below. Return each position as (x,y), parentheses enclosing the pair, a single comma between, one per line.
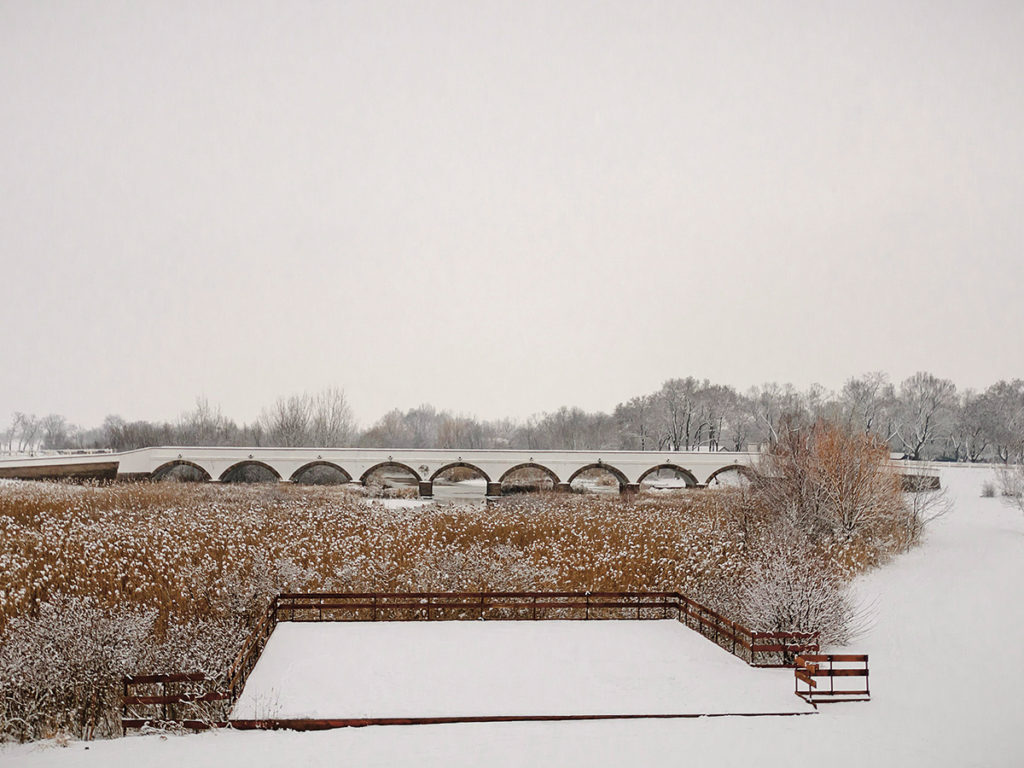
(99,581)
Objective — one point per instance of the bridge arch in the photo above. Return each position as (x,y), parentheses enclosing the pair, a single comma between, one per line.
(740,469)
(234,473)
(530,465)
(465,464)
(688,476)
(164,470)
(385,465)
(327,465)
(617,473)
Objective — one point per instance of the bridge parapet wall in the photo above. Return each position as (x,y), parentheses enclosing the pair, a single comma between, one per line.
(699,468)
(631,467)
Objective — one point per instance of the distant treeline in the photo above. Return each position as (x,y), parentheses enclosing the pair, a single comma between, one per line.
(924,417)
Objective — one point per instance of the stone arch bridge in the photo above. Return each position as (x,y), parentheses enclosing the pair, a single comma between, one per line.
(629,468)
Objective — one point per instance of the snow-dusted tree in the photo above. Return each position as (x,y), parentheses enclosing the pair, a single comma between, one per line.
(770,406)
(566,428)
(1003,413)
(970,430)
(459,432)
(926,405)
(675,406)
(205,425)
(867,404)
(635,425)
(57,433)
(287,421)
(25,431)
(790,587)
(723,413)
(390,431)
(331,422)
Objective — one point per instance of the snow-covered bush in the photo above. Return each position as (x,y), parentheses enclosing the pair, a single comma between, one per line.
(835,482)
(60,668)
(1011,485)
(824,505)
(791,586)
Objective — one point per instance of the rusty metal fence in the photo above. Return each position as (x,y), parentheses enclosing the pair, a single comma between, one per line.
(193,701)
(850,668)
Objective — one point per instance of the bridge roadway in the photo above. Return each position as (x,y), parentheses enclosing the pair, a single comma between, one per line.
(630,468)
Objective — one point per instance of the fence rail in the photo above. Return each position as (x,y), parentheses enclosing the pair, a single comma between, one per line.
(177,698)
(180,695)
(811,668)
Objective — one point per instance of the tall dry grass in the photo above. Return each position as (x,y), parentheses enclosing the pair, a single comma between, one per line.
(192,550)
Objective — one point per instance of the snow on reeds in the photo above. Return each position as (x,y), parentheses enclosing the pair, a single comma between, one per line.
(187,550)
(187,568)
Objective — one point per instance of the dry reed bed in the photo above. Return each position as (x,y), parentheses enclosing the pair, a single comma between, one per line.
(196,551)
(101,581)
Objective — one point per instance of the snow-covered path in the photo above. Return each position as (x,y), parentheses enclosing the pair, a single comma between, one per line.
(947,679)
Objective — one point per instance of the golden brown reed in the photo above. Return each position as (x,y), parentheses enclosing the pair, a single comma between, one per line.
(197,550)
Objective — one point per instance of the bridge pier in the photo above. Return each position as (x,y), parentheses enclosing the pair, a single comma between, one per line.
(426,489)
(563,488)
(494,489)
(630,489)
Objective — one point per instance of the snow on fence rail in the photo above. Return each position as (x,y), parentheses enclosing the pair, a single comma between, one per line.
(832,665)
(181,696)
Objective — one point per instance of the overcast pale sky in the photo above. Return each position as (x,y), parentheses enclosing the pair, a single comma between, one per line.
(500,208)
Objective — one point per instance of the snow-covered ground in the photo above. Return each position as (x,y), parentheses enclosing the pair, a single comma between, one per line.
(946,676)
(454,669)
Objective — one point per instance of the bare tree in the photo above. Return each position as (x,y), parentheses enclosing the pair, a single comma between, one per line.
(25,431)
(867,404)
(1003,414)
(771,406)
(205,425)
(676,408)
(287,422)
(331,421)
(926,404)
(969,434)
(56,432)
(634,420)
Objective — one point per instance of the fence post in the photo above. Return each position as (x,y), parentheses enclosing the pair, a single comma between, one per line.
(124,704)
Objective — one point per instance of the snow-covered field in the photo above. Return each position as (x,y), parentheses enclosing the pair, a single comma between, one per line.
(454,669)
(946,676)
